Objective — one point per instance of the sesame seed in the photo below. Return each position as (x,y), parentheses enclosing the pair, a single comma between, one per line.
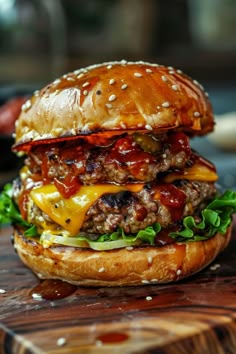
(154,280)
(158,107)
(206,94)
(26,106)
(170,68)
(129,248)
(123,87)
(215,266)
(98,343)
(85,92)
(164,156)
(123,62)
(148,298)
(148,127)
(70,79)
(171,72)
(174,87)
(36,93)
(101,270)
(109,105)
(179,71)
(86,84)
(196,114)
(166,104)
(149,71)
(179,271)
(140,125)
(144,281)
(76,72)
(57,81)
(36,296)
(122,124)
(112,81)
(164,78)
(2,291)
(109,66)
(112,98)
(61,341)
(138,75)
(150,259)
(80,75)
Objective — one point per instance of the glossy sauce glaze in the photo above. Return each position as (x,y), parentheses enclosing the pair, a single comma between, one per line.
(126,152)
(173,198)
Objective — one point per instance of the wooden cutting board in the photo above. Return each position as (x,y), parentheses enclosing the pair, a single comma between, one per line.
(196,316)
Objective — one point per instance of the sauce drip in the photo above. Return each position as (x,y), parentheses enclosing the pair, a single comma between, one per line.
(127,152)
(112,337)
(173,198)
(53,289)
(179,142)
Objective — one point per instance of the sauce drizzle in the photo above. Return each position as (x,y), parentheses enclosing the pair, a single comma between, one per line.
(52,289)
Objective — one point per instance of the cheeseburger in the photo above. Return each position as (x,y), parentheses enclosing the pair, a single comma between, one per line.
(111,193)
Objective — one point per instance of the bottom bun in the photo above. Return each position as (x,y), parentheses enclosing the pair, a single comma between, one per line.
(120,267)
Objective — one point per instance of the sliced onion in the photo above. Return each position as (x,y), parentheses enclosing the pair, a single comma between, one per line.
(48,239)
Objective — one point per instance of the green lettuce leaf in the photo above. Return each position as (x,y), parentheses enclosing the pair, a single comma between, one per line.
(216,217)
(9,212)
(146,236)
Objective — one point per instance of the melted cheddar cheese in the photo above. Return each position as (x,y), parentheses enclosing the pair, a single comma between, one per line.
(70,212)
(197,172)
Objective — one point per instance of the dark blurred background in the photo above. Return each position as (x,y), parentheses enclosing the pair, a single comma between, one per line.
(42,39)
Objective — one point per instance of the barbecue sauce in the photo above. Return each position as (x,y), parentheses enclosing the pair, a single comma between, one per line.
(112,337)
(127,153)
(173,198)
(52,289)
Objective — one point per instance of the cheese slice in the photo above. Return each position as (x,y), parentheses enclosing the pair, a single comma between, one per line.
(70,212)
(198,172)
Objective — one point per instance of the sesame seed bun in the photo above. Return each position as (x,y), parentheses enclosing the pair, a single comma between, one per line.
(114,97)
(123,267)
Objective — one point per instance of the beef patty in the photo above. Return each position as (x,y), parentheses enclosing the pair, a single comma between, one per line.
(127,158)
(166,204)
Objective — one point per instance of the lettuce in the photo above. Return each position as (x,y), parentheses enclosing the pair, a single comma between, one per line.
(216,217)
(9,212)
(117,239)
(146,236)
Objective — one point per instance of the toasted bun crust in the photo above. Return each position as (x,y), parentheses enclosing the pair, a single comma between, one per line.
(115,96)
(121,267)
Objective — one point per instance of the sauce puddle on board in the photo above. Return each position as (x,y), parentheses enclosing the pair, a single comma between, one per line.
(112,337)
(52,289)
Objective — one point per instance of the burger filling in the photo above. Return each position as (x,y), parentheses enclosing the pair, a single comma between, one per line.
(117,191)
(120,160)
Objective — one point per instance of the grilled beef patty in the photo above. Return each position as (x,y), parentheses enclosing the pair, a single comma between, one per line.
(165,204)
(127,158)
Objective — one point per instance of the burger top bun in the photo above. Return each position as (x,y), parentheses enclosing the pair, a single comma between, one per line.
(115,96)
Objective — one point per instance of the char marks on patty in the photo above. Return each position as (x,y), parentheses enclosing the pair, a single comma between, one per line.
(124,160)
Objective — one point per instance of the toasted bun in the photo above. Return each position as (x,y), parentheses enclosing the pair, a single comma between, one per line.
(121,267)
(115,96)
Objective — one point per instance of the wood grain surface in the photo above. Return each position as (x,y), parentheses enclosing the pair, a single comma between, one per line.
(196,316)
